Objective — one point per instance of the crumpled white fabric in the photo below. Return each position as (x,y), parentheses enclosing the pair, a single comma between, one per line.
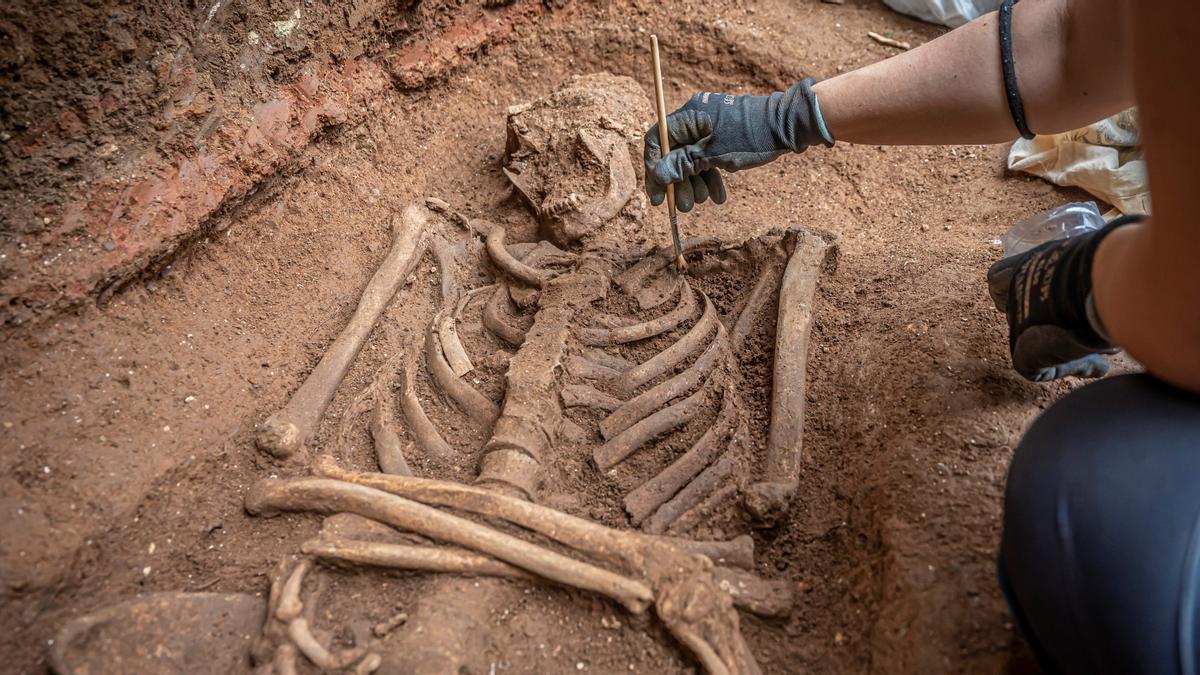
(1104,158)
(953,13)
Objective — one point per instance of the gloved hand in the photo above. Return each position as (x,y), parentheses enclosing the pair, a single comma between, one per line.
(1053,330)
(721,131)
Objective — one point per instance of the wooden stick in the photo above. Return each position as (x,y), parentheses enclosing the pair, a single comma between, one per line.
(664,142)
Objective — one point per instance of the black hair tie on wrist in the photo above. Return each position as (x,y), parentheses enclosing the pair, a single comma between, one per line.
(1010,70)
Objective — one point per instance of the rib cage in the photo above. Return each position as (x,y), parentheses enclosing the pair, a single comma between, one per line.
(654,391)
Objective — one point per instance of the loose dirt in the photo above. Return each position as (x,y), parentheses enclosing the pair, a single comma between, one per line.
(128,426)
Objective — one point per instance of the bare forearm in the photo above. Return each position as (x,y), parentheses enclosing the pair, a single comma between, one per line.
(1072,64)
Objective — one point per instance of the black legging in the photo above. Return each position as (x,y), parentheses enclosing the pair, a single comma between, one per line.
(1100,558)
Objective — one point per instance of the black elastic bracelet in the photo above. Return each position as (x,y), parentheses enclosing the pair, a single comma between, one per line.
(1010,70)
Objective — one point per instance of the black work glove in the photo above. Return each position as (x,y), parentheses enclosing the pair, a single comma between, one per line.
(722,131)
(1047,294)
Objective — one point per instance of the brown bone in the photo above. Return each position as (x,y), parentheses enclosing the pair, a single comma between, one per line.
(769,499)
(587,396)
(602,337)
(494,312)
(703,511)
(655,492)
(639,407)
(509,264)
(330,496)
(695,492)
(688,600)
(476,406)
(388,451)
(689,344)
(587,369)
(419,424)
(634,277)
(408,557)
(627,442)
(287,431)
(452,348)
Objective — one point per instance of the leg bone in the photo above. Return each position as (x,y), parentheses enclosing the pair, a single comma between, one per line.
(407,557)
(767,598)
(321,494)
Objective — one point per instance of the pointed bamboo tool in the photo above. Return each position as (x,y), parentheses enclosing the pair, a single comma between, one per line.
(664,143)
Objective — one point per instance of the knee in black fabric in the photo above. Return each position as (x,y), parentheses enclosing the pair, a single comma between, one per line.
(1101,546)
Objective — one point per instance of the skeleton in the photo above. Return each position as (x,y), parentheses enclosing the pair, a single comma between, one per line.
(610,353)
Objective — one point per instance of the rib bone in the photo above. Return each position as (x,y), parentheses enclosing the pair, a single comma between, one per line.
(287,431)
(316,652)
(427,435)
(640,406)
(587,396)
(510,265)
(634,277)
(587,369)
(702,511)
(667,359)
(388,452)
(602,337)
(455,353)
(476,406)
(653,493)
(690,496)
(493,316)
(627,442)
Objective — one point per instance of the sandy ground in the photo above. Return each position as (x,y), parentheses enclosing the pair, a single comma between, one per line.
(127,428)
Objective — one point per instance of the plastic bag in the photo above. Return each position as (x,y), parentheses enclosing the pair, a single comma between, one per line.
(1063,222)
(953,13)
(1103,158)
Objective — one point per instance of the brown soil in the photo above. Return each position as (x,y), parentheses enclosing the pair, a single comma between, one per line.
(128,425)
